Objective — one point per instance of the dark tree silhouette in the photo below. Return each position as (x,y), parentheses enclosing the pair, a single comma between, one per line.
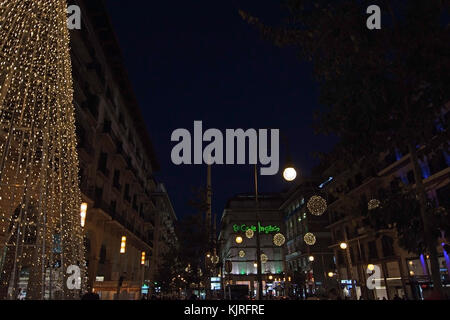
(381,88)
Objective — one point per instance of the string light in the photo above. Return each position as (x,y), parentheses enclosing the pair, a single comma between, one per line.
(143,258)
(39,183)
(279,239)
(317,205)
(264,258)
(373,204)
(309,239)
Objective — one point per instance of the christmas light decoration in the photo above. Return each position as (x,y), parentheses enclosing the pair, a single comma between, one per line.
(279,239)
(241,253)
(317,205)
(83,211)
(39,185)
(309,239)
(143,257)
(373,204)
(215,259)
(264,258)
(123,244)
(249,233)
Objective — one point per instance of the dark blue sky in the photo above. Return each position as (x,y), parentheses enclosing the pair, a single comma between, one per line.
(197,60)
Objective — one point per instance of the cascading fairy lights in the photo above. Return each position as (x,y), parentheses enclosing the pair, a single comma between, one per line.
(40,229)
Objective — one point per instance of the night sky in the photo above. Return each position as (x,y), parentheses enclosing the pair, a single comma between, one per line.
(197,60)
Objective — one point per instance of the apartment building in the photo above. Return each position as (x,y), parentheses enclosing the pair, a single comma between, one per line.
(127,207)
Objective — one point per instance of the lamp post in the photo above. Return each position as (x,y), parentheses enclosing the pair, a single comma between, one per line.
(289,174)
(344,246)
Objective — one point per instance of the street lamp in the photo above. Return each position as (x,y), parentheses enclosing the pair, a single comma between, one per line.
(289,173)
(344,246)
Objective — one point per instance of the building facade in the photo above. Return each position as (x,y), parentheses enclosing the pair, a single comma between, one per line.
(401,273)
(117,162)
(310,263)
(240,215)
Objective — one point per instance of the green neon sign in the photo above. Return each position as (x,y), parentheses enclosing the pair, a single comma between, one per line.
(265,229)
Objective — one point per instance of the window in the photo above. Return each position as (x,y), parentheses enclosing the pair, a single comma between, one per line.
(116,179)
(102,258)
(127,192)
(102,163)
(387,245)
(373,254)
(411,177)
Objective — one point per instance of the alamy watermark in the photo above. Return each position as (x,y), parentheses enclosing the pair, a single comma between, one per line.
(74,17)
(374,280)
(233,140)
(74,280)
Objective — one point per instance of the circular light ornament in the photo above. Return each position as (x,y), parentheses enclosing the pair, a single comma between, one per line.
(215,259)
(330,274)
(343,245)
(249,233)
(279,239)
(309,239)
(239,239)
(264,258)
(289,174)
(311,258)
(371,267)
(373,204)
(242,253)
(317,205)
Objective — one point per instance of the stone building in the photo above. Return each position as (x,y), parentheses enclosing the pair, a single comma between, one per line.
(117,162)
(240,215)
(314,260)
(401,273)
